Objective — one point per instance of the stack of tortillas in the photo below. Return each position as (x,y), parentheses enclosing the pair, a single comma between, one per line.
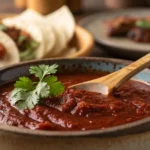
(53,32)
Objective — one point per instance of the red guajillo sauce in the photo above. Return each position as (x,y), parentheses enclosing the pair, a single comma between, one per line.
(80,110)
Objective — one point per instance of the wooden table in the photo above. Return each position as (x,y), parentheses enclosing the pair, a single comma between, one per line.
(7,6)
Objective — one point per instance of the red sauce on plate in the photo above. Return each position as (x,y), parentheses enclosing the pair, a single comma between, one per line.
(80,110)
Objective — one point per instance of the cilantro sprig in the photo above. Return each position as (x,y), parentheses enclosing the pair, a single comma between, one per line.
(28,49)
(3,27)
(28,93)
(143,23)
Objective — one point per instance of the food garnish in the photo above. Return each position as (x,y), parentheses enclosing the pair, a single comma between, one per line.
(21,38)
(143,23)
(29,48)
(28,93)
(3,27)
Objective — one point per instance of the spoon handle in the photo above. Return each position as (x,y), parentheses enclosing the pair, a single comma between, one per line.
(116,79)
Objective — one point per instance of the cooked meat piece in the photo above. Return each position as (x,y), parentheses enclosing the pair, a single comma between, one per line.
(15,34)
(120,26)
(139,34)
(2,51)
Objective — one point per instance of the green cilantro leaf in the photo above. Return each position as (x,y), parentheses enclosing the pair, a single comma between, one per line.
(3,27)
(24,105)
(34,44)
(50,79)
(28,54)
(21,38)
(56,87)
(29,100)
(36,71)
(42,70)
(28,47)
(27,93)
(43,90)
(24,83)
(17,94)
(143,23)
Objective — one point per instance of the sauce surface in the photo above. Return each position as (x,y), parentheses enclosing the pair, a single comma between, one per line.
(80,110)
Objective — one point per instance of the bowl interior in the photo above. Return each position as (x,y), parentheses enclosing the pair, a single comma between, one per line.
(76,65)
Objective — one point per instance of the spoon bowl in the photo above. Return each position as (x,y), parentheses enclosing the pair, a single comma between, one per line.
(114,80)
(92,87)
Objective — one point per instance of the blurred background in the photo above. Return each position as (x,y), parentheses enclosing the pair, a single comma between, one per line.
(80,9)
(77,6)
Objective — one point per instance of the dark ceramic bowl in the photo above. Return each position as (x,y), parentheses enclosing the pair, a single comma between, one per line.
(129,136)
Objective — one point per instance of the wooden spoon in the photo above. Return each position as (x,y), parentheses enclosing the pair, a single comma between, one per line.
(114,80)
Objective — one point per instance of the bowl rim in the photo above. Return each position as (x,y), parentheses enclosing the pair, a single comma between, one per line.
(113,131)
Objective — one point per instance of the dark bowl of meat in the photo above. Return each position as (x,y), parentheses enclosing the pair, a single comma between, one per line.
(38,110)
